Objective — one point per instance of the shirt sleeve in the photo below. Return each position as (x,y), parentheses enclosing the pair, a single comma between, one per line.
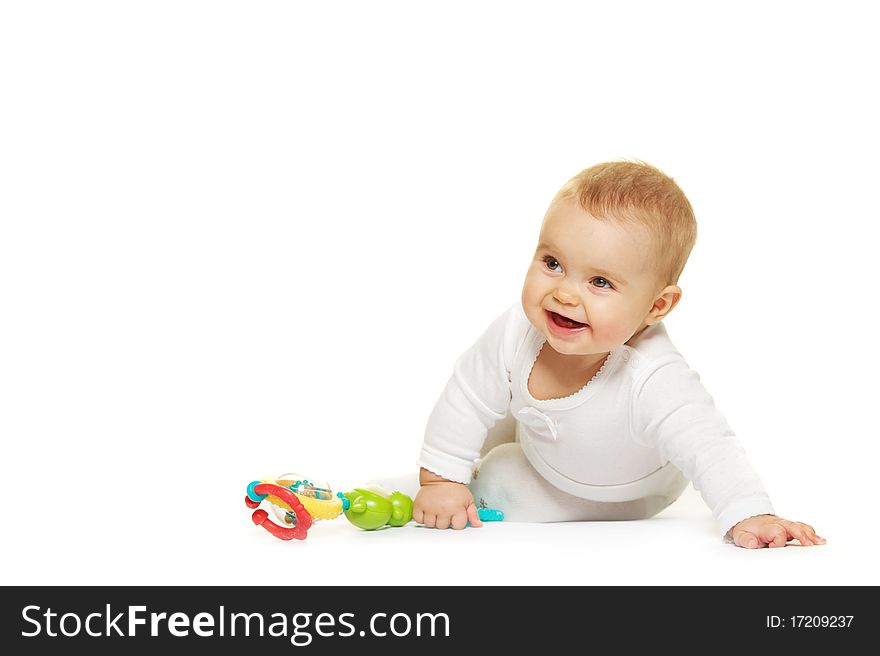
(476,396)
(676,413)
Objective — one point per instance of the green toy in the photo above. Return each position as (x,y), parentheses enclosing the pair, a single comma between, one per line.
(372,508)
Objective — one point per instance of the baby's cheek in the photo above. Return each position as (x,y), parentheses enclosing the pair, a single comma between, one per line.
(531,299)
(612,335)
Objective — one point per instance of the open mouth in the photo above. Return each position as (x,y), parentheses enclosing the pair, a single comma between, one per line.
(565,322)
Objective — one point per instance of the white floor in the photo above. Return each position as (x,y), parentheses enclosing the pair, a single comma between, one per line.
(214,546)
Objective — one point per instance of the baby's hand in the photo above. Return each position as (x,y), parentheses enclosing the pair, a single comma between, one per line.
(772,531)
(441,503)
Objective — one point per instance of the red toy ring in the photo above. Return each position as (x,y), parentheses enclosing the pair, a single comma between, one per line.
(261,517)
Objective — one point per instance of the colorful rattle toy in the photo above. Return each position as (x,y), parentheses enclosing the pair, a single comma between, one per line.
(297,502)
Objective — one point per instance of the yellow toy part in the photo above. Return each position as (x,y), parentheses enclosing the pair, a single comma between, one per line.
(317,498)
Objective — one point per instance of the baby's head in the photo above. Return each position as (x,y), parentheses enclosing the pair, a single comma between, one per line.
(612,246)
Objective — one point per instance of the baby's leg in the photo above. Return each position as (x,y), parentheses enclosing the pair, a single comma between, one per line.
(505,480)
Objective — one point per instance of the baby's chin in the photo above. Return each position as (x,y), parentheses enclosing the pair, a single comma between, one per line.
(571,349)
(569,346)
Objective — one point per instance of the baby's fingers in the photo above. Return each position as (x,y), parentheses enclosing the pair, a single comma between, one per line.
(797,532)
(811,533)
(747,540)
(774,535)
(459,520)
(803,533)
(473,516)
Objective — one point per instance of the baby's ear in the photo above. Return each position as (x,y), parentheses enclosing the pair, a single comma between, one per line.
(665,301)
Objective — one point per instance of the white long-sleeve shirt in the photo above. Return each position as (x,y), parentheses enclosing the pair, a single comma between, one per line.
(642,420)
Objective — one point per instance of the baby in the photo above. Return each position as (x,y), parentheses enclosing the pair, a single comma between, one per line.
(575,397)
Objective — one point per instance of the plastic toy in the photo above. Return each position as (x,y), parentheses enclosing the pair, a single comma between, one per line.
(372,507)
(296,503)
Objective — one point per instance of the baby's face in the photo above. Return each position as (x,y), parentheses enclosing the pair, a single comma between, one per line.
(596,273)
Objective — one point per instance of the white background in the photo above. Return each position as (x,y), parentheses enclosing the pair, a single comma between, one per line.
(240,239)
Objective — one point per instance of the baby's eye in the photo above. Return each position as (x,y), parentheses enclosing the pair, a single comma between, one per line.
(601,281)
(551,262)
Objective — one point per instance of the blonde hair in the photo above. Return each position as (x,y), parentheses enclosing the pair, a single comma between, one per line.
(637,193)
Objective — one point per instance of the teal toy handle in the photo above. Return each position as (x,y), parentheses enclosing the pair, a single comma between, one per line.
(490,515)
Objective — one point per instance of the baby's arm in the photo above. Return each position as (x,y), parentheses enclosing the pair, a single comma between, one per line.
(441,503)
(673,408)
(476,396)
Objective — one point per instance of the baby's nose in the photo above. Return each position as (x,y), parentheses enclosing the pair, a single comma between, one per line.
(563,295)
